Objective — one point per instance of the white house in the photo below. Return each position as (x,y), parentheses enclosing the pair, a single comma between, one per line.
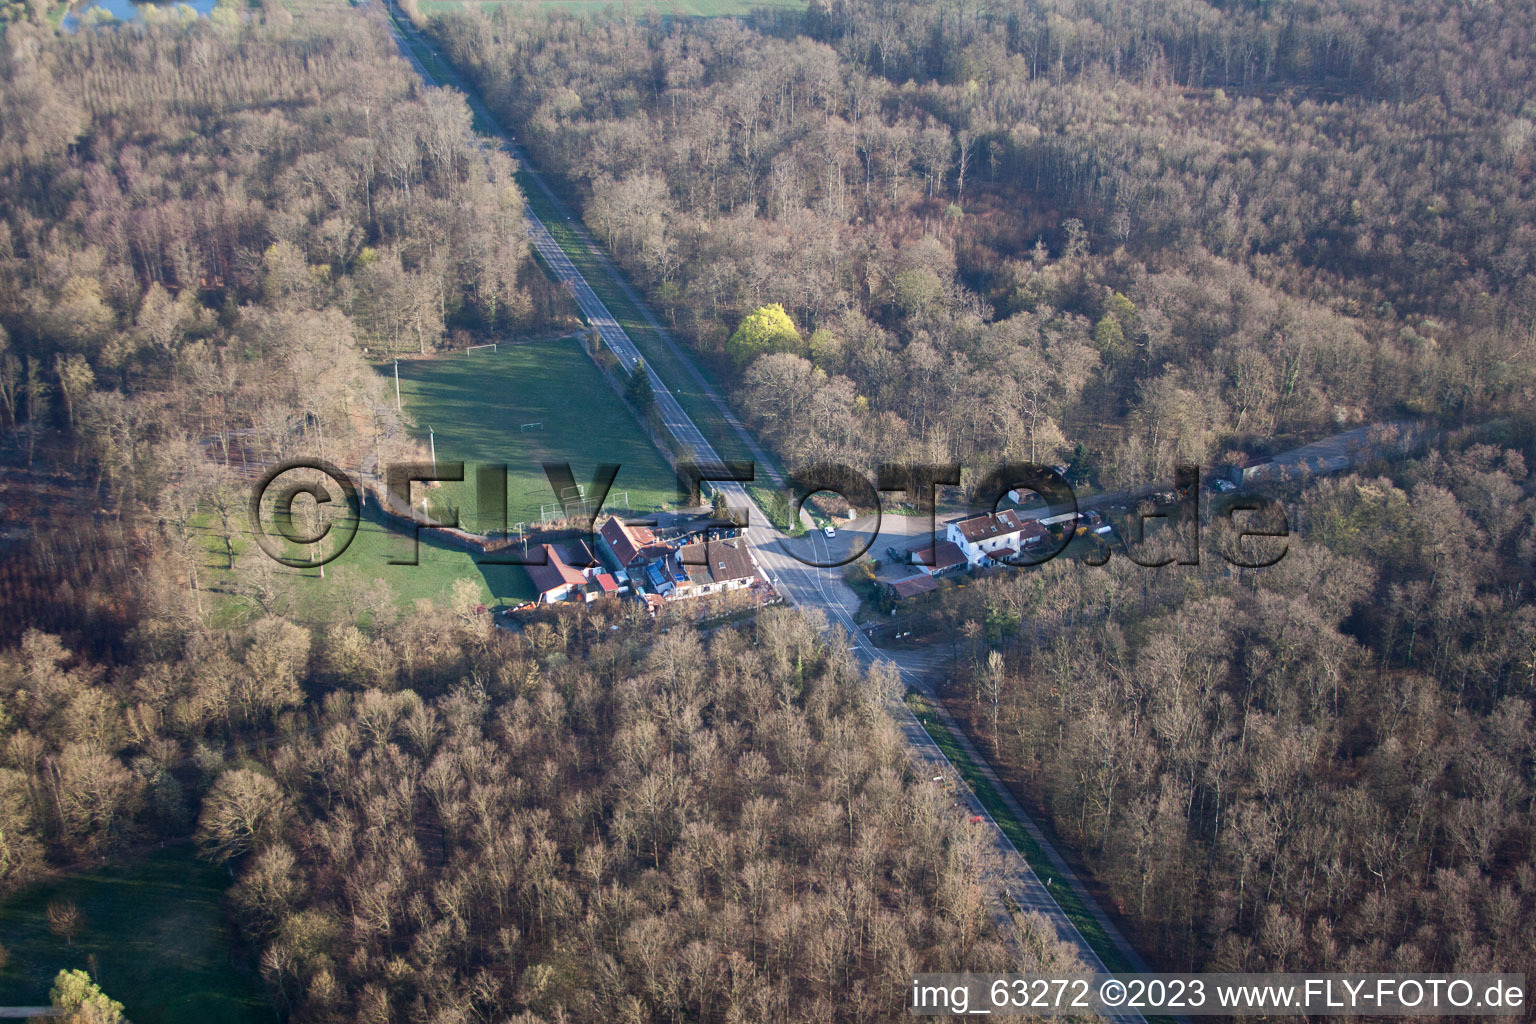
(995,536)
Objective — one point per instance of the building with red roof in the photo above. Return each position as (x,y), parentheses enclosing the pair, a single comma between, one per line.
(555,580)
(994,536)
(626,545)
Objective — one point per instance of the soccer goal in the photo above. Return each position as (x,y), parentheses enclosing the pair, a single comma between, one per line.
(490,345)
(535,425)
(573,504)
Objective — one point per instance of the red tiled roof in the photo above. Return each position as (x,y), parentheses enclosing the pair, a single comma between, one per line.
(554,574)
(1001,553)
(993,524)
(626,541)
(609,585)
(947,555)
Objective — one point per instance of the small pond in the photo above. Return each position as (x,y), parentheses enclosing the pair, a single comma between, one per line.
(125,10)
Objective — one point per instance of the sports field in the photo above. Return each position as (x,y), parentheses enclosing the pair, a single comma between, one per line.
(152,934)
(523,405)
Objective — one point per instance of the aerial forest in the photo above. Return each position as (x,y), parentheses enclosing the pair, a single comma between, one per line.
(1162,231)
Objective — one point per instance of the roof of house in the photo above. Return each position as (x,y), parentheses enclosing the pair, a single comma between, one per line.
(946,555)
(1030,532)
(625,541)
(717,561)
(989,525)
(609,585)
(554,573)
(998,554)
(911,586)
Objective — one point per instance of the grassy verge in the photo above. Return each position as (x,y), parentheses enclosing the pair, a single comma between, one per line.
(1066,897)
(152,934)
(429,60)
(695,402)
(775,505)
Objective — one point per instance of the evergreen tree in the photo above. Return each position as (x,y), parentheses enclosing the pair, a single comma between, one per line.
(638,391)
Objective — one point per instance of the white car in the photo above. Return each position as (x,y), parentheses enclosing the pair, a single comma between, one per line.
(830,531)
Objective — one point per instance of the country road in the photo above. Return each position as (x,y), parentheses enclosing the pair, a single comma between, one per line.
(802,585)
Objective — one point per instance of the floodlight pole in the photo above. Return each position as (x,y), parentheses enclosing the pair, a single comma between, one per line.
(432,439)
(397,385)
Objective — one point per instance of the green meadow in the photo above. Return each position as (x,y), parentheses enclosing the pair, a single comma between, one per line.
(522,405)
(152,933)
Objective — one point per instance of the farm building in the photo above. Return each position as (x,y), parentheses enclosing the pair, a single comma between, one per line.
(911,586)
(1332,454)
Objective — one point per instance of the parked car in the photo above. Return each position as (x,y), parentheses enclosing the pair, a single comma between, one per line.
(830,531)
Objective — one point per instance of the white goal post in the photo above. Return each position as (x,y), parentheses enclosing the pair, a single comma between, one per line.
(574,506)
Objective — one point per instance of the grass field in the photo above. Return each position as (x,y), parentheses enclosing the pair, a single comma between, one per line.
(320,600)
(477,404)
(153,936)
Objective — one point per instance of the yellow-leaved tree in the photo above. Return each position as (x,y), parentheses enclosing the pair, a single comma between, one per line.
(764,331)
